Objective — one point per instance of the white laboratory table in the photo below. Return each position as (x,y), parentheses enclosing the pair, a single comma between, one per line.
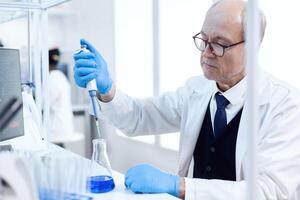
(119,192)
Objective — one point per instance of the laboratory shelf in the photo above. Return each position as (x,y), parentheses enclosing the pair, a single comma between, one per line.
(9,15)
(30,4)
(14,9)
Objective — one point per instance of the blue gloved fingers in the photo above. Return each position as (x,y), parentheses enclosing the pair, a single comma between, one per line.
(128,183)
(85,63)
(129,171)
(84,71)
(78,81)
(128,179)
(130,174)
(79,74)
(91,48)
(91,60)
(88,44)
(136,188)
(148,179)
(135,179)
(83,55)
(88,77)
(125,184)
(83,80)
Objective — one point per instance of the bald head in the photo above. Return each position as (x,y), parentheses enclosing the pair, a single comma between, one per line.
(236,11)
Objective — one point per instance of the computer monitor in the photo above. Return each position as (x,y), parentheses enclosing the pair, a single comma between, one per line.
(10,88)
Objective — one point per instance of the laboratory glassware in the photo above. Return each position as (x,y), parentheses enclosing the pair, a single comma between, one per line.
(100,179)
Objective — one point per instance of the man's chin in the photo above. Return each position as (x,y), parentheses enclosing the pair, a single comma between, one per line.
(209,76)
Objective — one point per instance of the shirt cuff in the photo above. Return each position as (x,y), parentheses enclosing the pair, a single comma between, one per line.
(189,189)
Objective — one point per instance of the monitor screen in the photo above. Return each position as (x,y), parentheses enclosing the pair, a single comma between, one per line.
(10,88)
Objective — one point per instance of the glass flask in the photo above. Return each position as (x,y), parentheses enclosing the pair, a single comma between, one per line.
(100,179)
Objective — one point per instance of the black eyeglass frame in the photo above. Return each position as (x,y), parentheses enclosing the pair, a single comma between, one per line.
(210,47)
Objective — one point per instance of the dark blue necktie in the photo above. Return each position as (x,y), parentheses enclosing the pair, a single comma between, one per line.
(220,121)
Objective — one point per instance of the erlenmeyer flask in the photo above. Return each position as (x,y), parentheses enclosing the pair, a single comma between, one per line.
(100,179)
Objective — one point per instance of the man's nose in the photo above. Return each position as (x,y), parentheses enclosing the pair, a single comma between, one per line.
(208,51)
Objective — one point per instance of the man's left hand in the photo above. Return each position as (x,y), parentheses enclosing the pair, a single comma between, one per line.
(148,179)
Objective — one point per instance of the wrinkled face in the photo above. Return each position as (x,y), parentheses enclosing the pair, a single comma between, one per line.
(225,28)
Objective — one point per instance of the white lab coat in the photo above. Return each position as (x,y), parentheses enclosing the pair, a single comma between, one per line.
(61,114)
(278,138)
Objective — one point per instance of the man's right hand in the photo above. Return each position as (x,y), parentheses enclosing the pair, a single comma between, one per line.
(90,65)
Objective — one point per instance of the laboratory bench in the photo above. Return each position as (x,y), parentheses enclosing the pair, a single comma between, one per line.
(119,192)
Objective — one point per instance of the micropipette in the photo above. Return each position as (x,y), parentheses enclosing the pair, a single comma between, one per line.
(92,88)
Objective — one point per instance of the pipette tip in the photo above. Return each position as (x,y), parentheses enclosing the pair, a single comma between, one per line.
(98,127)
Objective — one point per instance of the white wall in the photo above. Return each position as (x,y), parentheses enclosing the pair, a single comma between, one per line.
(280,47)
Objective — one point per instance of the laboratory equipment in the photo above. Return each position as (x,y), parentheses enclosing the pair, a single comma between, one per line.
(55,182)
(9,111)
(44,176)
(52,180)
(100,179)
(92,89)
(23,130)
(15,178)
(10,87)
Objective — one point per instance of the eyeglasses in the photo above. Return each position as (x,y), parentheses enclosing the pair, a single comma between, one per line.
(216,48)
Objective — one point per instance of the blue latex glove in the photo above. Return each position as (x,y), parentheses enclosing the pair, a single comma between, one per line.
(147,179)
(91,65)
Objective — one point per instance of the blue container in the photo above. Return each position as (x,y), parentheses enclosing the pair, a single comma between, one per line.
(50,194)
(100,184)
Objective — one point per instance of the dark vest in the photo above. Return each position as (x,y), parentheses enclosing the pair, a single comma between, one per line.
(215,158)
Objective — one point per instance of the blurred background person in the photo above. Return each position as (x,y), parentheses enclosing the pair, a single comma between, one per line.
(61,115)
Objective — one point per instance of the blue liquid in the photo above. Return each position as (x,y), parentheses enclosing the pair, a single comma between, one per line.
(100,184)
(50,194)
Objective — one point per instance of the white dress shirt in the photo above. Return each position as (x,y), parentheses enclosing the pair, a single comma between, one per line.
(236,97)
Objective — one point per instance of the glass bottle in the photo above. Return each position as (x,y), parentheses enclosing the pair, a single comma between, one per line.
(100,179)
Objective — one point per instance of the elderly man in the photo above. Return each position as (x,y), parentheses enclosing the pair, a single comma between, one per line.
(210,113)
